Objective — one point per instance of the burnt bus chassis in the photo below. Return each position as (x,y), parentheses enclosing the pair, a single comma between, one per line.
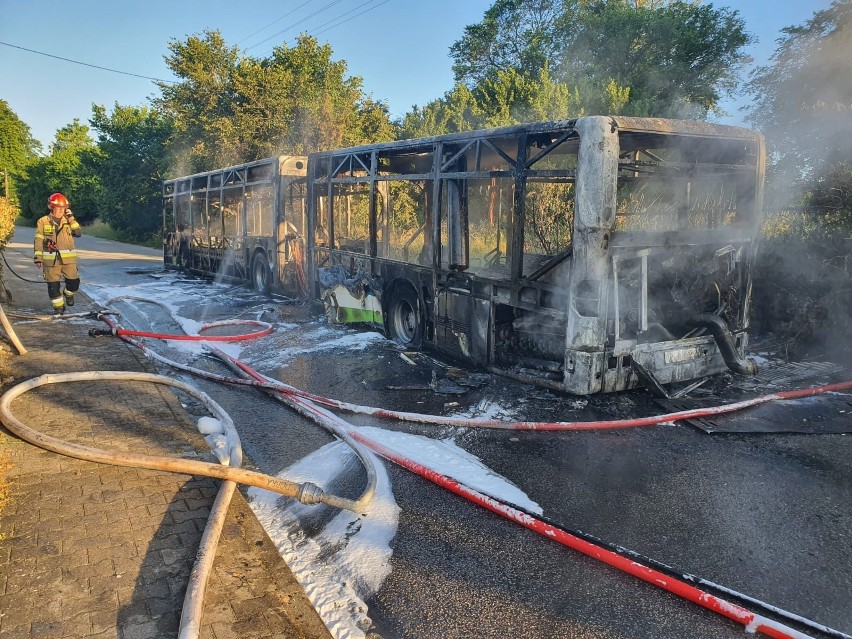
(475,317)
(193,246)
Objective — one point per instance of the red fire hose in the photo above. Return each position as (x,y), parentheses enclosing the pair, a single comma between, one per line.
(753,622)
(493,423)
(266,329)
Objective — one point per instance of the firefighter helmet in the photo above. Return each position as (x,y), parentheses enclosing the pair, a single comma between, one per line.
(57,199)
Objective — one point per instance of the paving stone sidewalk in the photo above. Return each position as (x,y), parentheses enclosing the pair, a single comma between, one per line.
(91,550)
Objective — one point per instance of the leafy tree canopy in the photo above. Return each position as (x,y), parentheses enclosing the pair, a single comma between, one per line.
(131,163)
(505,98)
(17,147)
(802,100)
(677,58)
(67,170)
(227,108)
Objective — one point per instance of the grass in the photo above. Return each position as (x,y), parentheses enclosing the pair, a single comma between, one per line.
(5,464)
(106,232)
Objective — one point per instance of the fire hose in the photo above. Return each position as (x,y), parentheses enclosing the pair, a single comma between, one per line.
(593,547)
(306,492)
(752,621)
(231,474)
(649,570)
(465,422)
(264,383)
(473,422)
(327,420)
(10,332)
(265,329)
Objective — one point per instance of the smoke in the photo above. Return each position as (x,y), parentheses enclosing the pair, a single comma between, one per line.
(803,105)
(803,102)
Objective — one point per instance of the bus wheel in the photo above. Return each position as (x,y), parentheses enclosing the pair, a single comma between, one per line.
(405,325)
(261,278)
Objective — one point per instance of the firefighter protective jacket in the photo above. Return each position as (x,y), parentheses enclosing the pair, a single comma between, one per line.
(56,239)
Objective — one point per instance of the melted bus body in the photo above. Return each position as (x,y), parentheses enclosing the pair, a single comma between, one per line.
(244,222)
(588,255)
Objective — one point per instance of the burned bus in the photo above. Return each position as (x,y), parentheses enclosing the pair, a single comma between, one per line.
(244,223)
(589,255)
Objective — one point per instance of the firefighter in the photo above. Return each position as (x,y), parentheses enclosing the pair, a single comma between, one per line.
(54,251)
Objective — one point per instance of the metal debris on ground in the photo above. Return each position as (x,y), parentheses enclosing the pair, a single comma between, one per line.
(776,373)
(144,271)
(445,386)
(815,415)
(474,380)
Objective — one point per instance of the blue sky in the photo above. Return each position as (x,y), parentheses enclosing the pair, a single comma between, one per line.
(399,47)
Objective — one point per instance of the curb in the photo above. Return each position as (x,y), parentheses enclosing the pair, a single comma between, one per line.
(91,550)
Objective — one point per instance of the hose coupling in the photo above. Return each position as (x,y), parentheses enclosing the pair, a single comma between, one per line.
(310,493)
(99,332)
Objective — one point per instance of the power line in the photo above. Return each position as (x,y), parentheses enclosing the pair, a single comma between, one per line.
(317,12)
(277,20)
(85,64)
(334,26)
(336,18)
(334,21)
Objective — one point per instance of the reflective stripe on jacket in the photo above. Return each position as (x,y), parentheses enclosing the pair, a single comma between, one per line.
(62,233)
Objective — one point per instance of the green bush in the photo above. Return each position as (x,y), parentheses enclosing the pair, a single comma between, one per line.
(8,214)
(803,281)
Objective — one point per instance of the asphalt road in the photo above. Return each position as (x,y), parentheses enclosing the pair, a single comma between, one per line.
(769,515)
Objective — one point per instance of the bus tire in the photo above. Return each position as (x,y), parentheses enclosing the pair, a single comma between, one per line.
(405,320)
(261,278)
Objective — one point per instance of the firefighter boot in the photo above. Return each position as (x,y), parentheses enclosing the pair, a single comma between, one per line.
(57,299)
(69,297)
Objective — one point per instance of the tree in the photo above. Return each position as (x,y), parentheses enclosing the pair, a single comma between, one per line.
(802,100)
(17,149)
(513,34)
(229,109)
(200,104)
(677,58)
(67,170)
(132,163)
(456,111)
(508,97)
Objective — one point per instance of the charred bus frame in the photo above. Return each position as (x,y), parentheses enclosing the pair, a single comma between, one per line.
(243,222)
(587,255)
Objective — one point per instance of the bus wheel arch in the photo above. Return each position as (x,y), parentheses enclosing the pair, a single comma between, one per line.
(404,315)
(261,275)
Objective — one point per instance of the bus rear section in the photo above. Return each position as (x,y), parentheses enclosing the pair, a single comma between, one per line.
(589,255)
(666,225)
(241,223)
